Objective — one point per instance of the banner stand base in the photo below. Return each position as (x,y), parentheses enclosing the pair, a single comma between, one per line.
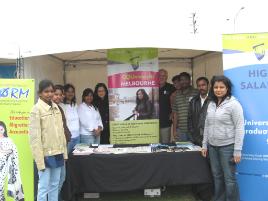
(155,192)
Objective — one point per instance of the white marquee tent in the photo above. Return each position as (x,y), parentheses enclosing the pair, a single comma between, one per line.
(66,41)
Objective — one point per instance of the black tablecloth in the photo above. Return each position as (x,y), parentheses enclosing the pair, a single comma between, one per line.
(126,172)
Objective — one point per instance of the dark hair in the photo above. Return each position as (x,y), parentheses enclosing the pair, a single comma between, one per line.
(45,84)
(87,92)
(202,78)
(58,87)
(185,74)
(145,96)
(176,77)
(96,98)
(66,88)
(4,125)
(226,81)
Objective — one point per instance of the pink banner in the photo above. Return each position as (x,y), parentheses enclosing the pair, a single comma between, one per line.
(134,79)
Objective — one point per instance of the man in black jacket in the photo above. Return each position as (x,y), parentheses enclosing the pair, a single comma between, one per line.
(197,111)
(196,123)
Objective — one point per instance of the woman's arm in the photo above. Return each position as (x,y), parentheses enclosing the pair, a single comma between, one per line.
(36,139)
(238,120)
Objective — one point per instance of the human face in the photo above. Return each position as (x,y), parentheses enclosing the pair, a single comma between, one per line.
(202,87)
(184,82)
(162,77)
(176,84)
(57,97)
(47,94)
(220,89)
(69,94)
(89,99)
(101,92)
(140,95)
(2,131)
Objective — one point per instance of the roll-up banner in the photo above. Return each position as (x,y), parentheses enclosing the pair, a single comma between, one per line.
(133,95)
(16,162)
(245,62)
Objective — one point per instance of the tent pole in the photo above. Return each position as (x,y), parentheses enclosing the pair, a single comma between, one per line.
(64,72)
(192,71)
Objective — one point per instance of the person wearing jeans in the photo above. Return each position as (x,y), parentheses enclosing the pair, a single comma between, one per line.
(47,141)
(49,177)
(223,138)
(223,170)
(57,98)
(90,119)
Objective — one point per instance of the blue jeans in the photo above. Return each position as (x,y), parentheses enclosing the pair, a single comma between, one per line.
(48,184)
(223,170)
(181,137)
(62,179)
(90,139)
(74,141)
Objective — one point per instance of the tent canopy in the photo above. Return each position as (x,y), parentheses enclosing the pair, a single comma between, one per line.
(99,56)
(31,28)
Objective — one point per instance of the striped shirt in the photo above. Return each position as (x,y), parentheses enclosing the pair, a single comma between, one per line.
(181,105)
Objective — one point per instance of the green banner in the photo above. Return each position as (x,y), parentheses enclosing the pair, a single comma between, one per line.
(16,101)
(135,132)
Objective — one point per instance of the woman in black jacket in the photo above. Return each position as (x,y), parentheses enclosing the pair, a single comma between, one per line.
(143,109)
(102,103)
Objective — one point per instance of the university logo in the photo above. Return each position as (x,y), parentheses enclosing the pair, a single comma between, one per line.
(135,62)
(259,51)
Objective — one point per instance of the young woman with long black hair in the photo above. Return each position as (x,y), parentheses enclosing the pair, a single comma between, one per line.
(101,101)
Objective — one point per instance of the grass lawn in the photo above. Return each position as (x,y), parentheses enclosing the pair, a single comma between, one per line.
(175,193)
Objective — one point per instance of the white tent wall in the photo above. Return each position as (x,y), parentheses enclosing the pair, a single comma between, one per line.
(208,65)
(175,68)
(84,75)
(43,67)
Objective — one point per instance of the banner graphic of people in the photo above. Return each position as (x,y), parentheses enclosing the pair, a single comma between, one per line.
(133,95)
(245,62)
(16,163)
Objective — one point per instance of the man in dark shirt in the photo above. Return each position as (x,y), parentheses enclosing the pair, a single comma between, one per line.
(196,123)
(165,91)
(197,111)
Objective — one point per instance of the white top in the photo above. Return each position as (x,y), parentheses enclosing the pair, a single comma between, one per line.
(89,118)
(72,119)
(203,100)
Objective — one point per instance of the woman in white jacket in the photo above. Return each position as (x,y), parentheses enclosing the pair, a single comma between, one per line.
(90,119)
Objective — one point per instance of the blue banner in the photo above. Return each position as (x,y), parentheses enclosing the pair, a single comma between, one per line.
(246,64)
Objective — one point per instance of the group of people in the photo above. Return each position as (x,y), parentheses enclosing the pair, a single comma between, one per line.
(209,117)
(57,124)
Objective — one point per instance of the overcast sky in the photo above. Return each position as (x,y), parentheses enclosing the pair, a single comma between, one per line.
(52,26)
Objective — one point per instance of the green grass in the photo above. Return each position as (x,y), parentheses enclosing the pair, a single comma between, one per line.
(175,193)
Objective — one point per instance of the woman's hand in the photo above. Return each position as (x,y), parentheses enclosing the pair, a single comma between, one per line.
(237,159)
(97,132)
(204,152)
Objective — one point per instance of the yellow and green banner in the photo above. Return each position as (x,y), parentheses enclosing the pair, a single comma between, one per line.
(133,95)
(16,101)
